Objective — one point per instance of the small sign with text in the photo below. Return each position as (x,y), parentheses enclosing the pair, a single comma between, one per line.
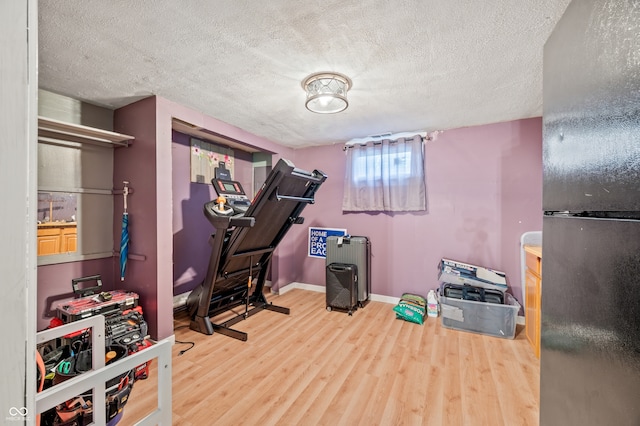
(318,240)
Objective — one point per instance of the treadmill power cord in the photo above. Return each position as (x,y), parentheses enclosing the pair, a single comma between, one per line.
(184,343)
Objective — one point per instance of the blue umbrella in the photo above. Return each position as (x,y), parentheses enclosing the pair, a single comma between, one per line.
(124,237)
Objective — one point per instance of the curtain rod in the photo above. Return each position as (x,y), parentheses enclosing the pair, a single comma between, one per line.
(431,136)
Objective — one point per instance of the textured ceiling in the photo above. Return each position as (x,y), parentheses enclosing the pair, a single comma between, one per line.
(415,64)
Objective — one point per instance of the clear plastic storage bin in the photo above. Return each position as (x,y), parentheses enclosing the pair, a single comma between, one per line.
(481,317)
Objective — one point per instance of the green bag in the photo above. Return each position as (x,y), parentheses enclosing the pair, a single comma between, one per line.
(412,308)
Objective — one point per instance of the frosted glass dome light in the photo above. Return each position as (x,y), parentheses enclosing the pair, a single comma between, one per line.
(326,92)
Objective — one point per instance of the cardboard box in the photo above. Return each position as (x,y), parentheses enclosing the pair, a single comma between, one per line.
(454,272)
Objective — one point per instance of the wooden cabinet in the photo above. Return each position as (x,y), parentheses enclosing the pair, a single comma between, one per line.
(48,241)
(55,238)
(533,288)
(68,239)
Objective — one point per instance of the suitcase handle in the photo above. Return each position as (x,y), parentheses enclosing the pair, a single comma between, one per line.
(87,291)
(335,267)
(341,267)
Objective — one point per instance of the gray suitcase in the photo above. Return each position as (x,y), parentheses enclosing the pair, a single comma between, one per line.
(355,251)
(342,286)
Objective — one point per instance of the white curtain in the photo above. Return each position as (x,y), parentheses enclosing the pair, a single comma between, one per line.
(385,176)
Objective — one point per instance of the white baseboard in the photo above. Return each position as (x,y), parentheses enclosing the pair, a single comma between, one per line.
(374,297)
(180,300)
(322,289)
(302,286)
(385,299)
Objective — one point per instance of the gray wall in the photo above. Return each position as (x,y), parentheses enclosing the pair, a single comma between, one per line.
(69,110)
(18,92)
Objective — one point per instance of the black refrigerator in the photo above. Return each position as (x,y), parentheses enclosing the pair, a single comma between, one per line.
(590,329)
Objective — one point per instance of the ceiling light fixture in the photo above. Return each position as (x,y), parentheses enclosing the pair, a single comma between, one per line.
(326,92)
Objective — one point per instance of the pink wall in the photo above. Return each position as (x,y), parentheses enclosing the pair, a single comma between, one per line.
(189,236)
(54,284)
(191,230)
(168,110)
(484,188)
(144,165)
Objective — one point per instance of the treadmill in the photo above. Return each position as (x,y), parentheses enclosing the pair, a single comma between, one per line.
(245,237)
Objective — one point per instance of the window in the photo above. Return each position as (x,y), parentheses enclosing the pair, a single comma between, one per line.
(371,167)
(385,176)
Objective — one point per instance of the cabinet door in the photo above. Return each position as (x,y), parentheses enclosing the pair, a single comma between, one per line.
(538,333)
(48,241)
(69,243)
(532,311)
(69,240)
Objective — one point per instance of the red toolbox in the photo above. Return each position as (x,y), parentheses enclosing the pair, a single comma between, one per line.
(93,301)
(87,306)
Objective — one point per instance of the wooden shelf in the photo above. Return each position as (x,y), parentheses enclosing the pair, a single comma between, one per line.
(50,130)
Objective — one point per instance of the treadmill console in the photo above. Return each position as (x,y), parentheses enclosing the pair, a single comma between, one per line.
(236,201)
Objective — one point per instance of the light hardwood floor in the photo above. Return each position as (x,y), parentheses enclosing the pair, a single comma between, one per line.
(315,367)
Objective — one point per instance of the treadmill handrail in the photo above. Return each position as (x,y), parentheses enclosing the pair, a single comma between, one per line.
(294,198)
(224,222)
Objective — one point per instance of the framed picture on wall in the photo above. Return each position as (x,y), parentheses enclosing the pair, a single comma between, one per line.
(206,157)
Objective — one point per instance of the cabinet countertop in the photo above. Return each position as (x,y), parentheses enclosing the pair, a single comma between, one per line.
(533,249)
(56,225)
